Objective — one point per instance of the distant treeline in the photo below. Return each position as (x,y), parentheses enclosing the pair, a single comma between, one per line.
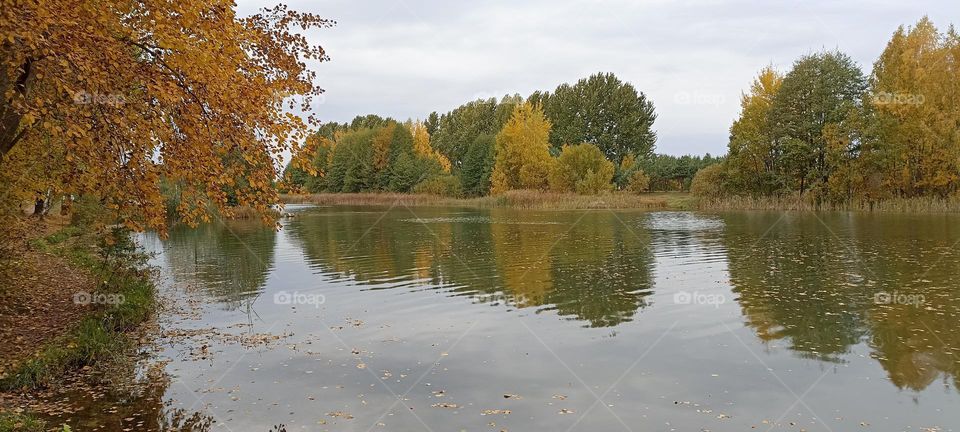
(592,136)
(830,135)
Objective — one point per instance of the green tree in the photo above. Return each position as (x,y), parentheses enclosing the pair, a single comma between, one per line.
(432,123)
(821,90)
(351,166)
(457,130)
(604,111)
(411,169)
(478,165)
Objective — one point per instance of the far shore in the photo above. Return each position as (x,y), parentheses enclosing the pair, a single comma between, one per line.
(538,200)
(525,199)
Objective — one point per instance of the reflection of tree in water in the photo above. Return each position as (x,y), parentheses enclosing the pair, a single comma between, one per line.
(127,399)
(915,336)
(796,283)
(801,284)
(916,346)
(599,273)
(231,259)
(365,247)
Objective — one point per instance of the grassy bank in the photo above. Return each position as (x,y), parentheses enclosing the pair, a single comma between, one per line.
(524,199)
(20,423)
(122,298)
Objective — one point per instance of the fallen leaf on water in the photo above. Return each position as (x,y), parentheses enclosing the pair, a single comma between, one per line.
(340,414)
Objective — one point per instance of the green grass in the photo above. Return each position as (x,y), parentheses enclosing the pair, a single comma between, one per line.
(100,336)
(10,422)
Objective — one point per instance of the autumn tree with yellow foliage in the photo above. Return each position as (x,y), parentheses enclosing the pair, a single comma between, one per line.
(752,148)
(422,146)
(523,158)
(916,98)
(108,97)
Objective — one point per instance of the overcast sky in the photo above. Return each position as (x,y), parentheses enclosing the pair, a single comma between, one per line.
(407,58)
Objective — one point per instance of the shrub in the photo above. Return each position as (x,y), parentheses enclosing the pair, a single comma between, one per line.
(709,182)
(445,186)
(639,182)
(582,169)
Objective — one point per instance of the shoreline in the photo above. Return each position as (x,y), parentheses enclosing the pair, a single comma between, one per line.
(670,201)
(523,199)
(104,295)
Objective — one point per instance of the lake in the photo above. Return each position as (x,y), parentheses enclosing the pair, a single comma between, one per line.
(447,319)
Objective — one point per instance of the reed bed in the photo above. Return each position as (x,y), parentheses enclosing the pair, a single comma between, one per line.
(894,205)
(525,199)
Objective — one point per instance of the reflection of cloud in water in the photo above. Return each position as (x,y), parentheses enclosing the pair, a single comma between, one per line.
(681,221)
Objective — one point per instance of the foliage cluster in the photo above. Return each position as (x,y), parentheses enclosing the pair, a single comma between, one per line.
(573,139)
(826,133)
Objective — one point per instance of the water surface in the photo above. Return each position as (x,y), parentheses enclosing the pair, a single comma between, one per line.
(441,319)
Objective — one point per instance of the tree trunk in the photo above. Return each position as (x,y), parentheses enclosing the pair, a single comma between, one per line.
(66,206)
(38,206)
(10,127)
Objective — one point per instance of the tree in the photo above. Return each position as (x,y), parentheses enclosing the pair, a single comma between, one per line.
(604,111)
(709,182)
(478,165)
(422,147)
(821,90)
(411,169)
(131,92)
(352,163)
(458,129)
(667,172)
(639,182)
(432,123)
(522,151)
(917,103)
(752,156)
(582,169)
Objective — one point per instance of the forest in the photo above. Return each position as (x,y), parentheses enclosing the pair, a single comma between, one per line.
(590,137)
(829,134)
